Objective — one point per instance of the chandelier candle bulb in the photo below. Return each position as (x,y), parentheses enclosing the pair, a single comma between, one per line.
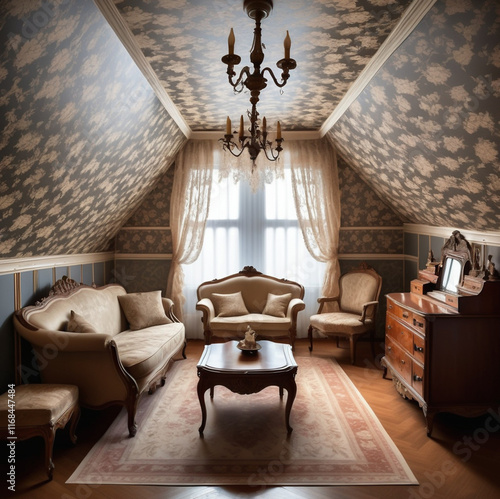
(241,127)
(278,131)
(264,131)
(228,126)
(230,42)
(287,43)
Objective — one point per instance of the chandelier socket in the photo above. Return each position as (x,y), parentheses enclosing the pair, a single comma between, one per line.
(258,8)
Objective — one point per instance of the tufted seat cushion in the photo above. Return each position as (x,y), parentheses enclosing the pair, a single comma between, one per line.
(39,404)
(340,322)
(142,351)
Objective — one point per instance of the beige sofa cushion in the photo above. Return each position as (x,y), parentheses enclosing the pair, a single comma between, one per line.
(229,305)
(143,309)
(141,352)
(277,305)
(78,324)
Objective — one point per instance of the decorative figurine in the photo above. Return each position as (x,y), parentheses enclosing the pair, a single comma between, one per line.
(249,343)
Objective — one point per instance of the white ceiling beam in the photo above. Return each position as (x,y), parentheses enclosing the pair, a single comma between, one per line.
(407,23)
(115,20)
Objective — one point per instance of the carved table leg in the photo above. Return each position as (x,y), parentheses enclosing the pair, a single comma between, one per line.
(201,389)
(292,391)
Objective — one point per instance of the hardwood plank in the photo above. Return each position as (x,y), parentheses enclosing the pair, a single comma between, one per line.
(460,460)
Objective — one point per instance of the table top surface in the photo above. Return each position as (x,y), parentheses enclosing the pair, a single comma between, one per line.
(227,357)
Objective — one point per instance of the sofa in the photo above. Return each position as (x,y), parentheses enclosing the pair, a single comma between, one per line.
(249,298)
(112,344)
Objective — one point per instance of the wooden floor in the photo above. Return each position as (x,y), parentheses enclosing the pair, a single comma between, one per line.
(461,460)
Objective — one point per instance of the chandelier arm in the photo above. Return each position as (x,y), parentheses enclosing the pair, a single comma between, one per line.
(244,71)
(226,143)
(277,83)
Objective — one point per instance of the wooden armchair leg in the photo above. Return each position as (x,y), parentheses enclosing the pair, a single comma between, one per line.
(310,336)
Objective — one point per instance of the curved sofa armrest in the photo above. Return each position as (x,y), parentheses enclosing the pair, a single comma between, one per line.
(168,306)
(366,306)
(207,307)
(294,306)
(63,340)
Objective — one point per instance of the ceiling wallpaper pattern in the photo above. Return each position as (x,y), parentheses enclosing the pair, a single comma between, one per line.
(84,135)
(425,133)
(332,41)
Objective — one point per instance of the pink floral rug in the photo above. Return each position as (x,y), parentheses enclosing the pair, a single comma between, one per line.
(336,438)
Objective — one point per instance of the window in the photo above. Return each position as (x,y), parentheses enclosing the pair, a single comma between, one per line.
(253,228)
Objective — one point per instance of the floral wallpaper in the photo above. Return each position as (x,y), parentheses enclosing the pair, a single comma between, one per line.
(332,41)
(84,137)
(424,133)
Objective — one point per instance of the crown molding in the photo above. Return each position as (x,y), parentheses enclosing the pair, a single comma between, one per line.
(290,135)
(407,23)
(115,20)
(473,236)
(13,265)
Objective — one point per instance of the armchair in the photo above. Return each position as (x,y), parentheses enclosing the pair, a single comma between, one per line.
(357,301)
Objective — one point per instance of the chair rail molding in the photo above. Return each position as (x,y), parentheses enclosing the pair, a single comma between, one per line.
(13,265)
(473,236)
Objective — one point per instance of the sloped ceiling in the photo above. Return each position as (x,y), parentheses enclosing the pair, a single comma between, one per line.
(84,136)
(332,41)
(425,133)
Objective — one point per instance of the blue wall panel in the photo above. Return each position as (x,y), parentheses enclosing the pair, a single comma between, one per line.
(99,274)
(87,274)
(27,289)
(61,271)
(6,330)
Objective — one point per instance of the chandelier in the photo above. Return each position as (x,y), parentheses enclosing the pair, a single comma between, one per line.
(255,82)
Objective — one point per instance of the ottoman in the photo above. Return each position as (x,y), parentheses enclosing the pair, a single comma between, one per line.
(38,410)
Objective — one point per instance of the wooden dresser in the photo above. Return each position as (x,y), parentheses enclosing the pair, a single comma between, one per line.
(445,353)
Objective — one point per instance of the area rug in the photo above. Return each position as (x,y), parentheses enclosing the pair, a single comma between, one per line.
(336,438)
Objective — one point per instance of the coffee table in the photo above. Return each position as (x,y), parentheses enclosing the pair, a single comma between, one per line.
(247,372)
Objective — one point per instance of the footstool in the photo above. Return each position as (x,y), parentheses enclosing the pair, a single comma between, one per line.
(38,410)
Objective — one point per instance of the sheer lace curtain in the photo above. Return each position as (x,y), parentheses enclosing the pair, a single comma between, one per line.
(256,223)
(317,201)
(189,206)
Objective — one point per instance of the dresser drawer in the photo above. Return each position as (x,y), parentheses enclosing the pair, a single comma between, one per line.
(417,379)
(399,359)
(407,316)
(418,348)
(399,333)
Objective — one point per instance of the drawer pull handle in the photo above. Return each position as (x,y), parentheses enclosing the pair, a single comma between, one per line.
(405,315)
(389,327)
(418,324)
(417,378)
(389,349)
(403,362)
(418,349)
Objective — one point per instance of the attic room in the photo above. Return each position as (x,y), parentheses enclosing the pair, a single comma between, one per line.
(103,104)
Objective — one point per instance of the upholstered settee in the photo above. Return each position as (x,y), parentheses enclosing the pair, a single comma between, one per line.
(267,304)
(114,346)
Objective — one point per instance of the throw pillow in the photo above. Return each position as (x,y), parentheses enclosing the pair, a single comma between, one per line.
(143,309)
(229,305)
(277,305)
(78,324)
